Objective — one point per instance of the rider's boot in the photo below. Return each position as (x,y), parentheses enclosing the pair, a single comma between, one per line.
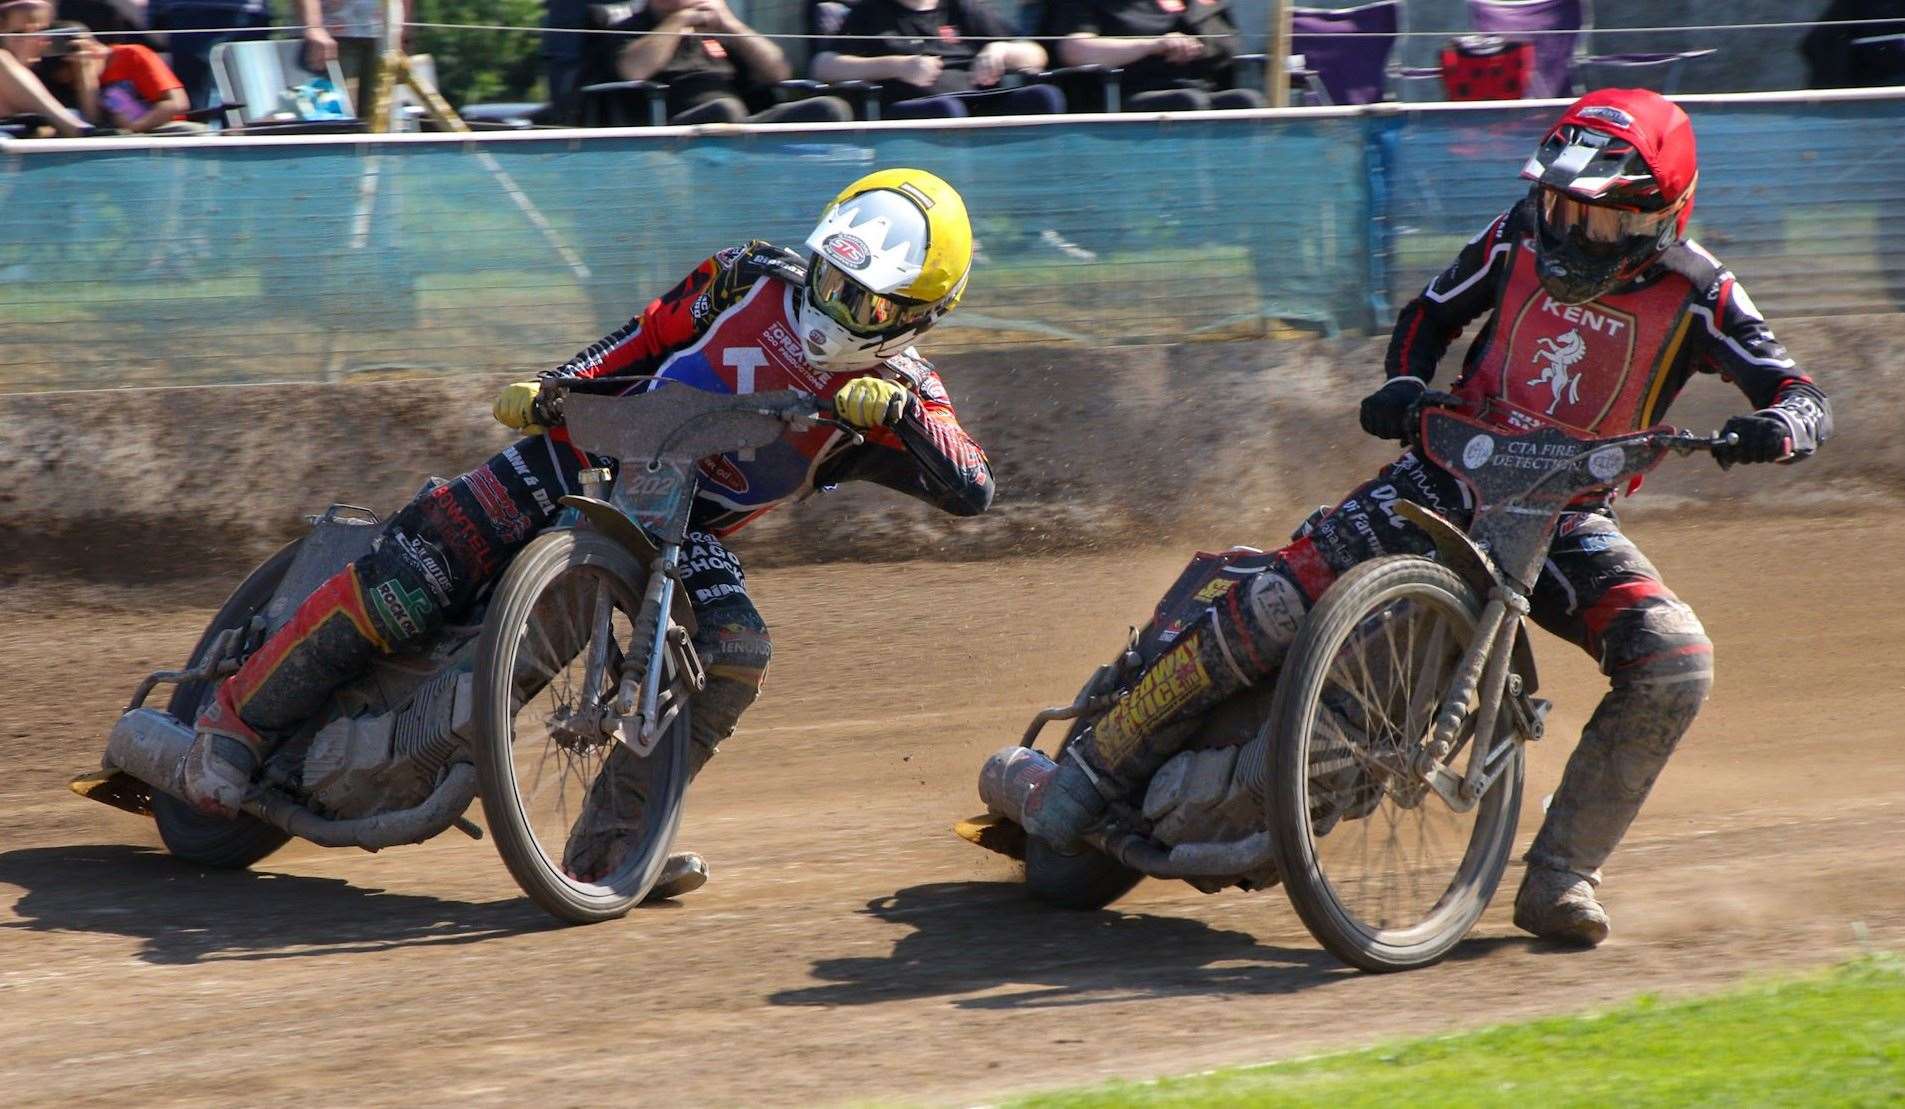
(1662,667)
(331,638)
(737,653)
(610,826)
(1559,905)
(1241,642)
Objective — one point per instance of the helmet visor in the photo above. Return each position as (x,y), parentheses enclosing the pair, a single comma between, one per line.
(1601,224)
(856,307)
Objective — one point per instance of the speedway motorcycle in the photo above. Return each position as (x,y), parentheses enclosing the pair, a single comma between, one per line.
(584,642)
(1380,780)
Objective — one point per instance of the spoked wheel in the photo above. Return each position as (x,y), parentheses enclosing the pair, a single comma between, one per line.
(1382,871)
(582,822)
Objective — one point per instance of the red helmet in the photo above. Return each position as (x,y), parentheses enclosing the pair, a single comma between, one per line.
(1614,184)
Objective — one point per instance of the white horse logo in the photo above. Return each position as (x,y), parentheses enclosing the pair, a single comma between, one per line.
(1555,357)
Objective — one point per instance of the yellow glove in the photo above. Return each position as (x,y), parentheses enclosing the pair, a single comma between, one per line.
(516,407)
(870,402)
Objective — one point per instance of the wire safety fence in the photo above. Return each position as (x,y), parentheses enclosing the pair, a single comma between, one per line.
(225,262)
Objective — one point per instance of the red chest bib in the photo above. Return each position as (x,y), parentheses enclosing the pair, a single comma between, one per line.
(1595,368)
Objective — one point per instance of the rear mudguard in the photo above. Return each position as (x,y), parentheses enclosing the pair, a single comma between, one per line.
(608,520)
(1454,549)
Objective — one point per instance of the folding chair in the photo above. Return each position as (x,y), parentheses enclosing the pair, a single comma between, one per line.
(1346,51)
(259,82)
(1555,27)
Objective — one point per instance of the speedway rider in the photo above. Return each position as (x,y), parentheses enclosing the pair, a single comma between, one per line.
(889,259)
(1600,310)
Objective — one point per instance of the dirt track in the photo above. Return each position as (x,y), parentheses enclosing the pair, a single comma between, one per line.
(851,948)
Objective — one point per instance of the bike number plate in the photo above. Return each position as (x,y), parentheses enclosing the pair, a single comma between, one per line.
(655,498)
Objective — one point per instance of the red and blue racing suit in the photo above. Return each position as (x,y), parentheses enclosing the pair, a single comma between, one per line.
(728,327)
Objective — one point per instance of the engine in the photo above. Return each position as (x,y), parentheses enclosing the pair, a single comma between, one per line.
(379,762)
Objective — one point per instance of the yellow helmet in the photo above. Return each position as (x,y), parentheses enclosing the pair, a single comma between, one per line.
(890,256)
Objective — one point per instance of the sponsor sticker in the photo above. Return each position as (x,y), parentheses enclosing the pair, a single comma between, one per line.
(1605,463)
(1608,114)
(1479,450)
(1215,589)
(847,250)
(402,609)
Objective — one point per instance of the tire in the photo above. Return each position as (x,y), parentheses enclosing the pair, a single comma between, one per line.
(1379,601)
(187,833)
(533,859)
(1087,881)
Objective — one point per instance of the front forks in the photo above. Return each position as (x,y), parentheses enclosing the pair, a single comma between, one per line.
(1482,677)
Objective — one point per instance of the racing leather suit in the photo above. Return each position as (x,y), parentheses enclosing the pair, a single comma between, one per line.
(728,327)
(1610,366)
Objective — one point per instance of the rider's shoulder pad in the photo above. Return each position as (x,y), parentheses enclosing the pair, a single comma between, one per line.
(763,259)
(1702,270)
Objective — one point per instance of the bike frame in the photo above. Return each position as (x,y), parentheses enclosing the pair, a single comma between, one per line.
(1521,481)
(658,438)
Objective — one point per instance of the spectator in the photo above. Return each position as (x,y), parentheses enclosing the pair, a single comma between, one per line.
(704,54)
(126,87)
(1177,55)
(357,26)
(21,91)
(1844,52)
(193,27)
(924,56)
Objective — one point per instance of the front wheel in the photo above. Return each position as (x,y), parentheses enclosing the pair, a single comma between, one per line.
(1384,874)
(550,781)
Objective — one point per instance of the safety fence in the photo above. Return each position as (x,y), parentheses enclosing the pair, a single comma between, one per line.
(204,261)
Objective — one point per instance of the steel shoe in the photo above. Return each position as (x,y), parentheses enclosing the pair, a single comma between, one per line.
(610,827)
(1559,905)
(224,756)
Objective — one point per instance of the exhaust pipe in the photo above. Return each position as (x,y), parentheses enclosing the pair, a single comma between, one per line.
(1010,777)
(1013,775)
(151,746)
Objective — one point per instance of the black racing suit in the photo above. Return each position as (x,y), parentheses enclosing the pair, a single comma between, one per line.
(1685,315)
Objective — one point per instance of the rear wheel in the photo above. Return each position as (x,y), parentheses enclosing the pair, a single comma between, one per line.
(1382,871)
(187,833)
(537,758)
(1087,881)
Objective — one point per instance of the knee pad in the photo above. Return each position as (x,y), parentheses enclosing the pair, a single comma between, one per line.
(1659,642)
(735,653)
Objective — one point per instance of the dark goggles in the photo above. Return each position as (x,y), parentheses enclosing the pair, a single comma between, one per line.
(1600,223)
(856,307)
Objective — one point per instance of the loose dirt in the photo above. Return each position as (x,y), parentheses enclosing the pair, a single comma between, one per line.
(850,948)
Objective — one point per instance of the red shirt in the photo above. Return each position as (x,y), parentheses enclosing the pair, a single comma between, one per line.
(133,81)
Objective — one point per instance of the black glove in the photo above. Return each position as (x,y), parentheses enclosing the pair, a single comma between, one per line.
(1763,438)
(1385,412)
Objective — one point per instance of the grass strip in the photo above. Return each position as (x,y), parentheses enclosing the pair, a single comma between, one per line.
(1836,1038)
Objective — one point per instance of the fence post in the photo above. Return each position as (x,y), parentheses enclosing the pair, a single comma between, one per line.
(1276,62)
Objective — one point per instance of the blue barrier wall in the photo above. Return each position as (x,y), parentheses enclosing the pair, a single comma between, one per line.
(232,261)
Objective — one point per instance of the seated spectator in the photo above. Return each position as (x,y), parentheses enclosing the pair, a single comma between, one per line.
(21,91)
(922,55)
(1843,52)
(193,27)
(1177,55)
(705,55)
(126,87)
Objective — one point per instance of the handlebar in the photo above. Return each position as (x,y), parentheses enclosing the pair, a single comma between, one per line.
(1686,442)
(1678,441)
(548,407)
